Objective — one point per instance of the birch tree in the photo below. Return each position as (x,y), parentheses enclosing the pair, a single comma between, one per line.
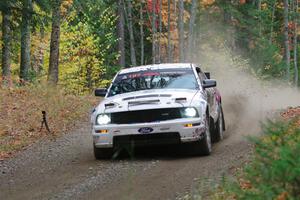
(154,31)
(191,27)
(160,30)
(181,31)
(142,32)
(272,21)
(169,31)
(295,41)
(121,33)
(286,39)
(131,34)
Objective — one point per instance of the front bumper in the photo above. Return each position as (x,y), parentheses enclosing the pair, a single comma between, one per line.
(113,133)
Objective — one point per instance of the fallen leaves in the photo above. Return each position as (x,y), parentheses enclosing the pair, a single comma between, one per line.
(244,184)
(291,113)
(282,196)
(21,115)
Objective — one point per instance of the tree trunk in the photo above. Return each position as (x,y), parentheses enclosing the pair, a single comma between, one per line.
(160,31)
(227,13)
(54,44)
(169,31)
(38,56)
(286,39)
(259,17)
(153,31)
(131,34)
(6,49)
(173,44)
(272,22)
(142,32)
(25,40)
(181,31)
(296,43)
(191,28)
(121,34)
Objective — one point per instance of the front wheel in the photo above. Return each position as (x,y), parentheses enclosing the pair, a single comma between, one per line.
(203,146)
(102,153)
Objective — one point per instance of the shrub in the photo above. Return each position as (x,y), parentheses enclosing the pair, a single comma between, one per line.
(274,172)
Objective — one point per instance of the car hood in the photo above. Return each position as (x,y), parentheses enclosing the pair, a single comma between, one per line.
(147,99)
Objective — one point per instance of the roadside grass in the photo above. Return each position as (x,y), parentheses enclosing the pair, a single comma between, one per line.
(274,171)
(21,115)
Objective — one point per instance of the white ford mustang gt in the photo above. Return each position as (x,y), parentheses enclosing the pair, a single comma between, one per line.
(158,105)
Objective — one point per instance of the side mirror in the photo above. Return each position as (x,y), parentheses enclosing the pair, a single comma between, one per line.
(209,83)
(101,92)
(207,74)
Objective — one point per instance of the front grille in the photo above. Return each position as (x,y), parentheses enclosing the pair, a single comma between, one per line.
(147,139)
(145,116)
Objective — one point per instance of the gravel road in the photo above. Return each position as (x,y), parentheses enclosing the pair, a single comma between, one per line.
(66,169)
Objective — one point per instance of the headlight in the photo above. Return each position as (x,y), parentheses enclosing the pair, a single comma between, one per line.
(190,112)
(103,119)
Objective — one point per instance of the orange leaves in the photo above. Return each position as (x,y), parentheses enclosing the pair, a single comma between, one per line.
(242,2)
(66,4)
(207,2)
(244,184)
(282,196)
(291,113)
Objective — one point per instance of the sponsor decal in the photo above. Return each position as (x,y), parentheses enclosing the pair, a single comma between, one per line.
(145,130)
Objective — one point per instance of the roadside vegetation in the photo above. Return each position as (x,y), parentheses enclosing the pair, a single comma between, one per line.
(274,171)
(21,115)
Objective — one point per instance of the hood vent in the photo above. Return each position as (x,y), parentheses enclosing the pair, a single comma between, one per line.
(180,100)
(109,105)
(138,103)
(147,96)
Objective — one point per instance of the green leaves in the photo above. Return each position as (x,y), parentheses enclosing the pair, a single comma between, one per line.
(275,171)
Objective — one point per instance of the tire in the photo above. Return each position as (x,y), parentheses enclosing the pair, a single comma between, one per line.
(102,153)
(218,134)
(203,147)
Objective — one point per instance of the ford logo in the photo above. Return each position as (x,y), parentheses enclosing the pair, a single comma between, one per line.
(146,130)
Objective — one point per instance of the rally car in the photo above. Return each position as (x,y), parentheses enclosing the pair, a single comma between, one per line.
(158,105)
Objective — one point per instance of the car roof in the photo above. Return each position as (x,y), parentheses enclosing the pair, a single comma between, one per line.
(156,66)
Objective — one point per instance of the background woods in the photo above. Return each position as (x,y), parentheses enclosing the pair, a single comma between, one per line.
(81,44)
(55,52)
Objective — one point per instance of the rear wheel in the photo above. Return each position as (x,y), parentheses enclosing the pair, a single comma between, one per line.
(102,153)
(219,127)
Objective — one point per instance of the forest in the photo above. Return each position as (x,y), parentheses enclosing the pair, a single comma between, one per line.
(80,45)
(54,53)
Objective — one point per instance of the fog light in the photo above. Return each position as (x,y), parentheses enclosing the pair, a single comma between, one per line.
(192,125)
(101,131)
(188,125)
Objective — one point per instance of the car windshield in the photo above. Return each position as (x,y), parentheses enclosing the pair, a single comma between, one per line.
(154,79)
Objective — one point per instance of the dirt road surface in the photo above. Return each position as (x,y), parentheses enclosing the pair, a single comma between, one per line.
(66,168)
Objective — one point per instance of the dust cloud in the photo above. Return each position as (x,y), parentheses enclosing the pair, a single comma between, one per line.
(247,101)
